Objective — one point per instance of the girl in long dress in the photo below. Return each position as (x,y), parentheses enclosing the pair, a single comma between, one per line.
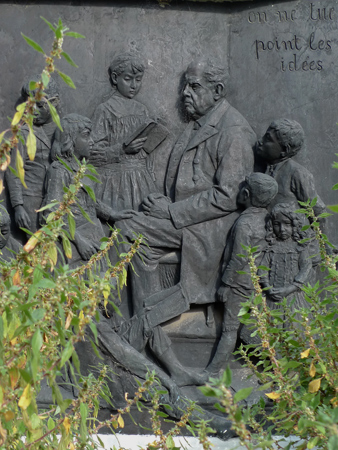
(126,173)
(289,261)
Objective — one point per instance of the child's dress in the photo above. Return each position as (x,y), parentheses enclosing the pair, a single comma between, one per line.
(289,264)
(128,179)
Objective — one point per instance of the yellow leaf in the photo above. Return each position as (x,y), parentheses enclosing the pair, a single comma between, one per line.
(2,136)
(305,354)
(53,254)
(71,446)
(26,397)
(69,319)
(1,185)
(32,242)
(106,291)
(312,371)
(81,315)
(14,377)
(66,424)
(314,385)
(9,415)
(273,395)
(3,434)
(16,278)
(18,115)
(31,144)
(120,421)
(1,396)
(4,164)
(19,168)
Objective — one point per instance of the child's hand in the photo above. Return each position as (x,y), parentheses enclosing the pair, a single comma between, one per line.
(135,146)
(223,294)
(98,157)
(22,219)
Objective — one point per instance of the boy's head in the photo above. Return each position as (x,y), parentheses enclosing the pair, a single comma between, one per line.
(258,190)
(43,114)
(126,73)
(283,139)
(75,138)
(5,223)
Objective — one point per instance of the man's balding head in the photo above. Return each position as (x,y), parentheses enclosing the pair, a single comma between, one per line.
(204,86)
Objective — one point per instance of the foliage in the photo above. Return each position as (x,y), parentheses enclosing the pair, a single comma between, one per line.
(297,364)
(46,308)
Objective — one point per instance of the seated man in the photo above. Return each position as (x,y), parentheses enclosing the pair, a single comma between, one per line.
(206,167)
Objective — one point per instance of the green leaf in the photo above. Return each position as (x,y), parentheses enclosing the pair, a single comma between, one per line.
(91,177)
(67,353)
(90,192)
(65,164)
(46,284)
(49,206)
(69,59)
(55,115)
(36,342)
(48,23)
(335,187)
(314,202)
(333,443)
(227,377)
(333,208)
(242,394)
(32,85)
(85,215)
(72,225)
(45,79)
(33,44)
(67,248)
(31,144)
(324,215)
(50,424)
(74,35)
(66,79)
(83,423)
(208,391)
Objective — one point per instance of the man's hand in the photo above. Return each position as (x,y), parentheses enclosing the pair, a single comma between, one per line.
(85,247)
(121,215)
(98,157)
(223,294)
(22,219)
(135,146)
(157,205)
(277,294)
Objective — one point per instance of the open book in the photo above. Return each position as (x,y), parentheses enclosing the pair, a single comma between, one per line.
(153,131)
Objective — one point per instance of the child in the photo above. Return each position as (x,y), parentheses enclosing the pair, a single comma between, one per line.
(249,229)
(26,202)
(8,244)
(289,262)
(126,175)
(283,140)
(76,141)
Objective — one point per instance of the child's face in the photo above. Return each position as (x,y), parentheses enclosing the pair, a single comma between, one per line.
(4,234)
(269,148)
(42,113)
(129,82)
(282,227)
(83,144)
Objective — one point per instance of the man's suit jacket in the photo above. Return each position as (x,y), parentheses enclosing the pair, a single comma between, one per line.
(205,170)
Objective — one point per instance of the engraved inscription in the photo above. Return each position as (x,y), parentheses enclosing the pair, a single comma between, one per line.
(298,53)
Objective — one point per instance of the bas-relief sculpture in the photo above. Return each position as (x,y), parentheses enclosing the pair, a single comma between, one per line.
(213,204)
